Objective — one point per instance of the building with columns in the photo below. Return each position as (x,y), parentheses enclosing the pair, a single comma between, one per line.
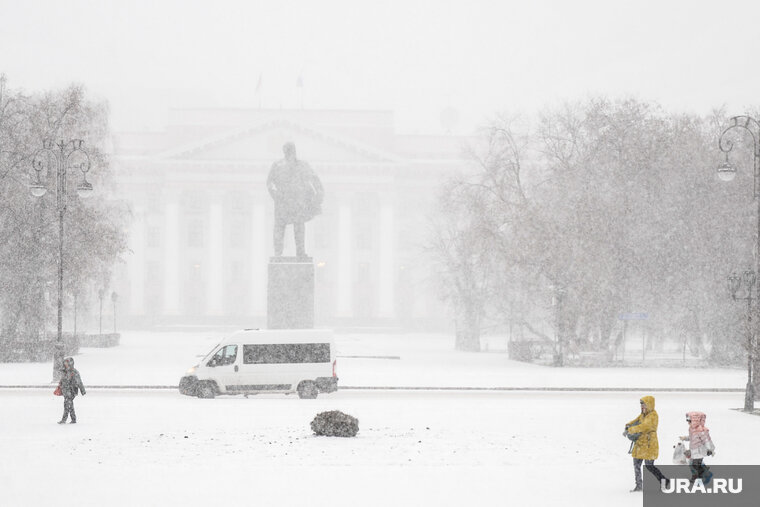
(201,231)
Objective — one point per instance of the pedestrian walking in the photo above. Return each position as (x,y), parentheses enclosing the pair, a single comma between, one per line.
(700,446)
(646,449)
(70,385)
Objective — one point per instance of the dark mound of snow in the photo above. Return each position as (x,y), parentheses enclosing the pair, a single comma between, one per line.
(335,424)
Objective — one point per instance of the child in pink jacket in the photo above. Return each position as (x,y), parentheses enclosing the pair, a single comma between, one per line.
(700,446)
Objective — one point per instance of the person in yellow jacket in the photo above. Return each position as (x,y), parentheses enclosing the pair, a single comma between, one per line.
(645,448)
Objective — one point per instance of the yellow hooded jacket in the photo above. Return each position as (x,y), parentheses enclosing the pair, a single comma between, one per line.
(646,447)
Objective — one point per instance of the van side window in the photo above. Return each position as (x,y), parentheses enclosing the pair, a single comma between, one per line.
(224,356)
(281,353)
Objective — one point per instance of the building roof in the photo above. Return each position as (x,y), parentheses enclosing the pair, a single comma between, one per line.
(258,134)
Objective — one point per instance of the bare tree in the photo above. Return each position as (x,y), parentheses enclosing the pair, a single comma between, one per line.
(617,211)
(95,231)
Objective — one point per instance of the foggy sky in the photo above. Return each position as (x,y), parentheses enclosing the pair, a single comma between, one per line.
(415,57)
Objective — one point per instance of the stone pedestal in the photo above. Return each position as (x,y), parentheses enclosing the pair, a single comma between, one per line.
(290,293)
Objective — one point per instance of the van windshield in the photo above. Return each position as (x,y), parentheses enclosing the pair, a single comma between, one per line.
(224,356)
(210,353)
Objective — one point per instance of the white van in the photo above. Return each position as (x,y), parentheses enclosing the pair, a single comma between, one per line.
(256,361)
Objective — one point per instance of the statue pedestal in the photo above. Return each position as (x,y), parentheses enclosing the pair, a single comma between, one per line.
(290,293)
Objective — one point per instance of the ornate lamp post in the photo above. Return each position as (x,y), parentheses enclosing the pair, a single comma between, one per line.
(64,155)
(726,172)
(735,283)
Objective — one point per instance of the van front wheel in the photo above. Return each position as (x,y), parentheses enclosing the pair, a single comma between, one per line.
(307,390)
(206,390)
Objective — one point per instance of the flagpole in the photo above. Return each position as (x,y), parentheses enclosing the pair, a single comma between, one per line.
(299,85)
(258,88)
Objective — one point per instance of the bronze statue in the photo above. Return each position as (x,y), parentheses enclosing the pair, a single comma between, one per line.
(297,194)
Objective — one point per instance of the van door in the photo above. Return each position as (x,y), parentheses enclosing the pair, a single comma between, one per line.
(223,368)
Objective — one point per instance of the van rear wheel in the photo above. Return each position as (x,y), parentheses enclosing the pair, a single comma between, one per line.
(307,390)
(206,390)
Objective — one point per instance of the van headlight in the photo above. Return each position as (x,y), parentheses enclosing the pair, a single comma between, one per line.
(191,370)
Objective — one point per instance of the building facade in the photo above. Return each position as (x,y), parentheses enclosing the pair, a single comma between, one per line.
(201,233)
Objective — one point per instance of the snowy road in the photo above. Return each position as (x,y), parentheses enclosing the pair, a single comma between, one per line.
(153,358)
(414,448)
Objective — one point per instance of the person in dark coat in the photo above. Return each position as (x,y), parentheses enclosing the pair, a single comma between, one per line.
(297,194)
(70,384)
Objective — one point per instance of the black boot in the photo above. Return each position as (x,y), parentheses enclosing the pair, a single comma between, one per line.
(637,489)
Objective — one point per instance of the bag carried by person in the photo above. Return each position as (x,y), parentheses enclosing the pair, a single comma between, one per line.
(57,391)
(679,454)
(710,447)
(632,436)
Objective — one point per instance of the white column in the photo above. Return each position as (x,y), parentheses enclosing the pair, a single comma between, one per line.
(344,306)
(260,242)
(386,307)
(215,253)
(171,255)
(136,264)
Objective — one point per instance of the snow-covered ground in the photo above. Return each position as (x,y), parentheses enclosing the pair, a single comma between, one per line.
(436,448)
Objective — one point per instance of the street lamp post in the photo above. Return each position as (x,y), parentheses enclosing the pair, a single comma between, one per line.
(64,155)
(114,297)
(101,295)
(726,172)
(735,282)
(559,350)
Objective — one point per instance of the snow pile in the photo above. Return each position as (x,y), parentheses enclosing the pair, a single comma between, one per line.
(335,423)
